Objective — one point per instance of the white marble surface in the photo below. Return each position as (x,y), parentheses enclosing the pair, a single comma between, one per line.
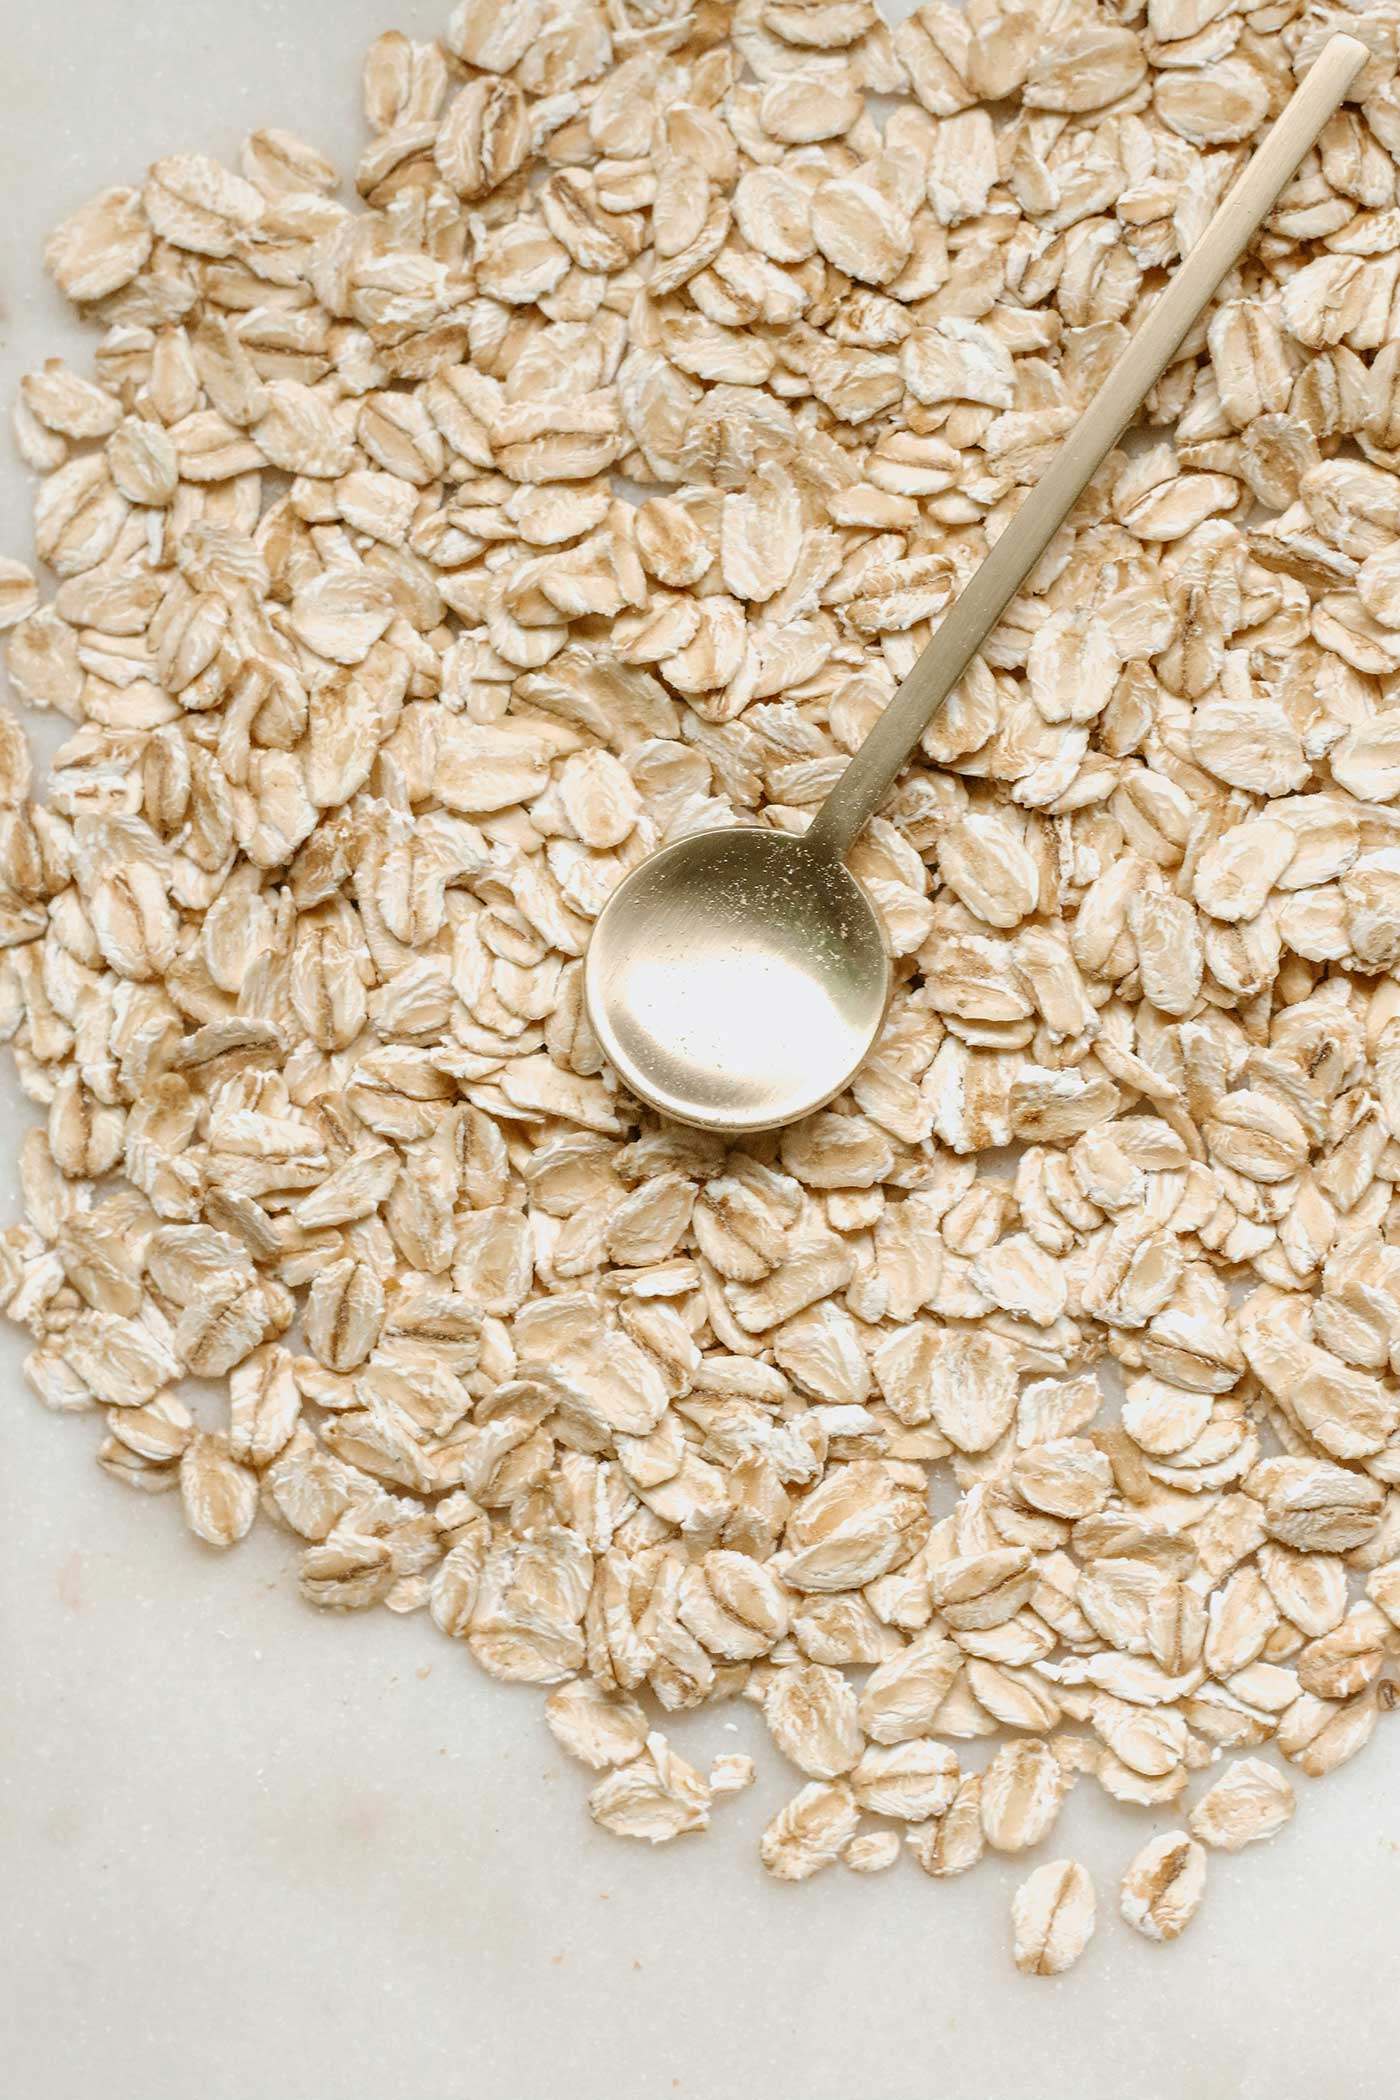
(251,1853)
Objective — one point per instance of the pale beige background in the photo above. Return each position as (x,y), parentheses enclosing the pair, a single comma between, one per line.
(251,1853)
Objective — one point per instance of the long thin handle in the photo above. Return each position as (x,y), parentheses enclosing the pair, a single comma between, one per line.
(862,787)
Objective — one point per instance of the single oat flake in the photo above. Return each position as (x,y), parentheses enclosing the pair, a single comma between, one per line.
(1163,1886)
(1052,1917)
(417,553)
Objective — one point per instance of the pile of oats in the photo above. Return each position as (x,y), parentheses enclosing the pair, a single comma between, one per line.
(424,562)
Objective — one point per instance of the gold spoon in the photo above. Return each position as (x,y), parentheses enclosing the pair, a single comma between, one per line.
(738,979)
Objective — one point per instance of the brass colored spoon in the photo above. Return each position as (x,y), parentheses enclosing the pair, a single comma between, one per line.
(738,979)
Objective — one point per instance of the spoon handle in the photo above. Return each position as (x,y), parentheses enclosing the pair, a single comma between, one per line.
(862,787)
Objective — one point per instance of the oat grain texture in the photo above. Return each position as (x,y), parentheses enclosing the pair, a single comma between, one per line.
(414,562)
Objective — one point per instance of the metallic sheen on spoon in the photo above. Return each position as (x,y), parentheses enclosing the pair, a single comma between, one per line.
(738,979)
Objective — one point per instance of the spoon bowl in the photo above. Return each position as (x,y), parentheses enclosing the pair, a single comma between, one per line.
(737,979)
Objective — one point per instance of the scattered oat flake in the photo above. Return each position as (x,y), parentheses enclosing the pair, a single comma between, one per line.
(1249,1802)
(1052,1918)
(872,1851)
(1163,1886)
(656,1796)
(810,1832)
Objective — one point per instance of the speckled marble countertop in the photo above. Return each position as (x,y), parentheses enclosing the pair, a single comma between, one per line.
(251,1853)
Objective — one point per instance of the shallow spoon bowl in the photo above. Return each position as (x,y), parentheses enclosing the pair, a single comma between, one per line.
(737,980)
